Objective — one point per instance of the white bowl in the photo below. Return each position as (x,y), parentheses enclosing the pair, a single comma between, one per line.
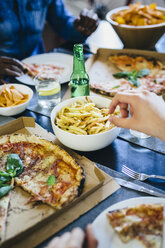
(84,142)
(14,110)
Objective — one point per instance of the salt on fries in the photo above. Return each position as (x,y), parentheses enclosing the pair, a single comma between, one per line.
(10,96)
(84,118)
(139,15)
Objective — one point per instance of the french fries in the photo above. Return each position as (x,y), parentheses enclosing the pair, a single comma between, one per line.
(138,15)
(84,118)
(10,96)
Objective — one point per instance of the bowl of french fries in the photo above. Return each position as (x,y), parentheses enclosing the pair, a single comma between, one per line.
(14,98)
(138,26)
(82,123)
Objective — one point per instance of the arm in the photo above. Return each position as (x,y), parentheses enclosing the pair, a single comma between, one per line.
(75,239)
(67,26)
(147,112)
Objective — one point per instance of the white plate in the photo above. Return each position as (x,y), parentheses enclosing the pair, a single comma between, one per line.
(58,59)
(106,235)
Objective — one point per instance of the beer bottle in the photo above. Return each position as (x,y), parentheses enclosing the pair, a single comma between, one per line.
(79,80)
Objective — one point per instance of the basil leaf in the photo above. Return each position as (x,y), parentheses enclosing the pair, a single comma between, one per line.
(3,184)
(5,174)
(155,81)
(4,190)
(5,179)
(134,81)
(121,74)
(117,86)
(143,73)
(14,165)
(133,73)
(51,180)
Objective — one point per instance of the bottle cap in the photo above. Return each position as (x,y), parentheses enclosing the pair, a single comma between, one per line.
(78,47)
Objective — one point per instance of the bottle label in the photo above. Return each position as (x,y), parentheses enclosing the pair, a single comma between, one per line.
(79,88)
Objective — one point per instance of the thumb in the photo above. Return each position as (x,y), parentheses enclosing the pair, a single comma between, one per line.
(121,122)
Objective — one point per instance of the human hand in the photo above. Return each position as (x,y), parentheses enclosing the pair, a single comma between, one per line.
(75,239)
(87,23)
(147,112)
(10,67)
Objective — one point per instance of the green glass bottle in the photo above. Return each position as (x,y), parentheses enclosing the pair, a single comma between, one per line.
(79,80)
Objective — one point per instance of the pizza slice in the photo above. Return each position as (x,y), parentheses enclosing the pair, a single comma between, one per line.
(44,71)
(50,174)
(129,63)
(143,222)
(111,88)
(137,73)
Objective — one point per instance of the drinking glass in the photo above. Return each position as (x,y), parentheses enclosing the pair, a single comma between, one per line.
(48,91)
(139,134)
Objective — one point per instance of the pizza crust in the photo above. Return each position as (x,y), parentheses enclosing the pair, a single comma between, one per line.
(42,158)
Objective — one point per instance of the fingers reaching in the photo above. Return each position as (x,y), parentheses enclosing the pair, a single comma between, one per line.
(120,98)
(124,110)
(121,122)
(91,240)
(77,238)
(87,22)
(10,67)
(74,239)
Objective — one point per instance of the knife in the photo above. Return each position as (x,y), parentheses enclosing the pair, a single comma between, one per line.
(132,185)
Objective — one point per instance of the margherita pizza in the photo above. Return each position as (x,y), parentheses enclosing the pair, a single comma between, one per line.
(44,71)
(49,173)
(136,73)
(143,222)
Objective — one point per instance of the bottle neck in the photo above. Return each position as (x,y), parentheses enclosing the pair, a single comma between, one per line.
(78,62)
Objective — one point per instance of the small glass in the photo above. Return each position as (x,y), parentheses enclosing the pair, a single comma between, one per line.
(139,134)
(48,91)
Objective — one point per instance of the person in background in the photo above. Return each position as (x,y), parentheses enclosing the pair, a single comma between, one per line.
(75,239)
(147,112)
(22,23)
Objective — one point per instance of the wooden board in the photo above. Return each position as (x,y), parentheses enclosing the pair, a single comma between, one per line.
(24,220)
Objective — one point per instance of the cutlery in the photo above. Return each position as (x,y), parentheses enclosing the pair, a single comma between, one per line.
(137,175)
(132,185)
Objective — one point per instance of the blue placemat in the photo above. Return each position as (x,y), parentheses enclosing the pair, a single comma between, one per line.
(5,119)
(151,143)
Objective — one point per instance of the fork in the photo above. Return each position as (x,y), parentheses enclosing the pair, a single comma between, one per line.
(137,175)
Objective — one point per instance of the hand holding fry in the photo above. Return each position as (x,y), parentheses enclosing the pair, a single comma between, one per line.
(146,109)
